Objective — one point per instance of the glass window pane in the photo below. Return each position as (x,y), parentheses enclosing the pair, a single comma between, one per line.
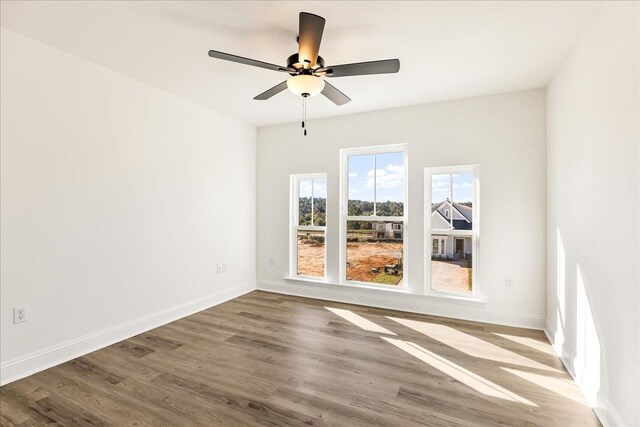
(375,252)
(320,202)
(441,202)
(462,198)
(361,188)
(451,266)
(304,202)
(311,253)
(390,184)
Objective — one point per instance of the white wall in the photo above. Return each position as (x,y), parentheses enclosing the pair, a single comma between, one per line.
(503,134)
(118,200)
(593,160)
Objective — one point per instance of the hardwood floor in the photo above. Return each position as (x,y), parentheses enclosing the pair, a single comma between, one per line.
(269,359)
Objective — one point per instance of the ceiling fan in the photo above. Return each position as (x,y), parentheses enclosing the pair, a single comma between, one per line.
(307,69)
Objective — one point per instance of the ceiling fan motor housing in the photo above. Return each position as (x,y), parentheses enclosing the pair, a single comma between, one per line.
(294,62)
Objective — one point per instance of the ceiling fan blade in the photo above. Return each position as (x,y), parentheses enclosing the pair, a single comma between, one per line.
(273,91)
(384,66)
(334,94)
(246,61)
(309,38)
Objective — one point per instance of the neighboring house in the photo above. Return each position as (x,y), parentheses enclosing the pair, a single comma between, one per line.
(387,230)
(451,216)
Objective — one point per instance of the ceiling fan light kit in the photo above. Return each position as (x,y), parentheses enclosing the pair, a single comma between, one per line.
(307,69)
(305,85)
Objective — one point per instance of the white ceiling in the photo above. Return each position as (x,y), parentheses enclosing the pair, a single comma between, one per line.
(447,50)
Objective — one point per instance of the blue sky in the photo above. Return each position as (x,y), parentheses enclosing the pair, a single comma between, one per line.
(388,172)
(462,187)
(390,181)
(319,188)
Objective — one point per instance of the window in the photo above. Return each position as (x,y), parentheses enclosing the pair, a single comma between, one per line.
(373,215)
(309,226)
(451,224)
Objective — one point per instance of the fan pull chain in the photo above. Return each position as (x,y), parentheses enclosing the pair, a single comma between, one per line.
(304,113)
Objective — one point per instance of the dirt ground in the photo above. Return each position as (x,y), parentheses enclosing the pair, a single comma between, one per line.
(450,275)
(446,275)
(362,257)
(310,258)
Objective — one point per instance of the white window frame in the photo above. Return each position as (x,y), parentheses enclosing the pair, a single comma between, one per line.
(344,211)
(474,234)
(294,227)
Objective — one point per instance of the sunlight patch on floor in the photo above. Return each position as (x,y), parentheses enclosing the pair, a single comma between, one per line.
(529,342)
(360,321)
(470,345)
(565,388)
(457,372)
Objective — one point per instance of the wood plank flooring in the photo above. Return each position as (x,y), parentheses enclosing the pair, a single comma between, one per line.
(269,359)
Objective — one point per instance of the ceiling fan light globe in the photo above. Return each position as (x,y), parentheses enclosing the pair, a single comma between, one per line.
(305,84)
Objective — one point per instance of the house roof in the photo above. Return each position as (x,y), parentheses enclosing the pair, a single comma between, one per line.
(465,211)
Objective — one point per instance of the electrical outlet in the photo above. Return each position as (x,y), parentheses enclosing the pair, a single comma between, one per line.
(218,268)
(224,267)
(508,282)
(19,314)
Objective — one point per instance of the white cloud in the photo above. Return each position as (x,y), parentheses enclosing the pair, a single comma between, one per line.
(442,183)
(305,188)
(441,178)
(319,188)
(395,168)
(392,176)
(353,174)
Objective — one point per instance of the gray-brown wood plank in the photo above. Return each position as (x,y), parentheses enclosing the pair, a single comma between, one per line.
(269,359)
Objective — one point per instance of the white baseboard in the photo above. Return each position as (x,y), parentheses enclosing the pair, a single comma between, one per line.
(35,362)
(414,303)
(605,412)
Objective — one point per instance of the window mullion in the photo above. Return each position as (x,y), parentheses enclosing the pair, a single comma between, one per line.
(375,185)
(311,228)
(376,218)
(451,202)
(296,207)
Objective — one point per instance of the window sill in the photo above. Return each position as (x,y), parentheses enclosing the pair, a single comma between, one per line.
(469,301)
(461,299)
(346,285)
(321,281)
